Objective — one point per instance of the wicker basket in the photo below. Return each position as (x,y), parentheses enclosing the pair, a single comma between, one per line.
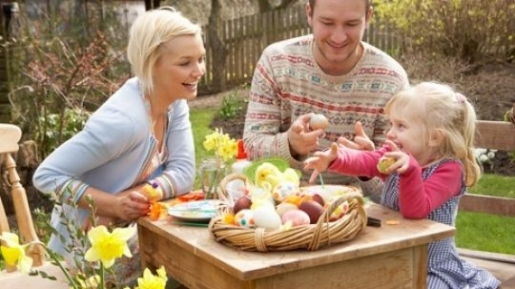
(310,237)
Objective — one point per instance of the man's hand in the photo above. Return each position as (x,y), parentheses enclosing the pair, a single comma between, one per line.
(302,140)
(361,140)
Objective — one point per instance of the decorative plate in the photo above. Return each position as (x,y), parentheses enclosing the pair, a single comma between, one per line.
(196,211)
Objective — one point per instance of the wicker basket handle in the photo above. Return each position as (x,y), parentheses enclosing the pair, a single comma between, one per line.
(222,187)
(324,218)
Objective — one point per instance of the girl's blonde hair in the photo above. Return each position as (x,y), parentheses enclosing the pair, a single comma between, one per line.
(148,33)
(439,109)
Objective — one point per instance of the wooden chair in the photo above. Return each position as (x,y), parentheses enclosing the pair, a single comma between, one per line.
(10,135)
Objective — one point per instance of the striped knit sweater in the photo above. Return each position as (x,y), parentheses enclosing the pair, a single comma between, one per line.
(288,82)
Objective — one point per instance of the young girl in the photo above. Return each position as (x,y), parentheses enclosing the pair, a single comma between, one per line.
(430,144)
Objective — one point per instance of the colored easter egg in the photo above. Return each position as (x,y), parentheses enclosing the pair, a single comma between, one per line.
(284,189)
(244,218)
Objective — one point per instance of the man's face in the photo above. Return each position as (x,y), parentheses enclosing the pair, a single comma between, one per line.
(338,27)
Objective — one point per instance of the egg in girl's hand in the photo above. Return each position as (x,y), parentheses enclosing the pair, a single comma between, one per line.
(266,217)
(296,218)
(245,218)
(318,121)
(384,163)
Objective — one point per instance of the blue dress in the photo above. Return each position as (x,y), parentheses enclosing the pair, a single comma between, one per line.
(445,269)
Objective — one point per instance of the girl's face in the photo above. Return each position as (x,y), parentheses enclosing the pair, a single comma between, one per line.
(409,136)
(180,67)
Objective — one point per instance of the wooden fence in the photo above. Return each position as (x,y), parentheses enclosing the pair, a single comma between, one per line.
(246,37)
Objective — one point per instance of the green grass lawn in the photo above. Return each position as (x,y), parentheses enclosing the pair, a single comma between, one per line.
(474,230)
(485,232)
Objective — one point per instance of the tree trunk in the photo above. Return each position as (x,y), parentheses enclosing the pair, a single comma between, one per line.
(214,32)
(152,4)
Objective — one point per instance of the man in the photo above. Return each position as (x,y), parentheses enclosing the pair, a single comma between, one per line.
(333,72)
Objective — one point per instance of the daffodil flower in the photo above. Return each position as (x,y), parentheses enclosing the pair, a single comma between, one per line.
(150,281)
(106,246)
(14,253)
(224,146)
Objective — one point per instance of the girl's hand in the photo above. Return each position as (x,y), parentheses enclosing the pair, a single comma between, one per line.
(131,204)
(320,161)
(401,163)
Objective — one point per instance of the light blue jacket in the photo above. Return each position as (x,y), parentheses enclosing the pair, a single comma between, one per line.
(112,153)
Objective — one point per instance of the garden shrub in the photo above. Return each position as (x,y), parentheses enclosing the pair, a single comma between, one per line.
(471,30)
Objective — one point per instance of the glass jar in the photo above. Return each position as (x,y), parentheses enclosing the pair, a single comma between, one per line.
(211,172)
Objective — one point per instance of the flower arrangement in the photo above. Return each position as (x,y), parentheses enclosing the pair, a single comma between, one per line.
(222,144)
(212,171)
(102,248)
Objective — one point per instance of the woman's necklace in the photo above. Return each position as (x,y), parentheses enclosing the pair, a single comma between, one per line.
(158,125)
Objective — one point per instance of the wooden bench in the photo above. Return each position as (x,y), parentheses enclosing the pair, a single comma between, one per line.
(496,135)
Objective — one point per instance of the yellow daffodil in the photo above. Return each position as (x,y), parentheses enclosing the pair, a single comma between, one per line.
(150,281)
(210,142)
(224,146)
(14,253)
(106,246)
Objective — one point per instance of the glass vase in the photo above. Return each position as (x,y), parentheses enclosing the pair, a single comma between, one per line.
(211,172)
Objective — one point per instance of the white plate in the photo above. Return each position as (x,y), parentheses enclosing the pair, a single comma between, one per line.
(195,211)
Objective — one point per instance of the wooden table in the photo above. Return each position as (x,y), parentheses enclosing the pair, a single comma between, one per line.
(391,256)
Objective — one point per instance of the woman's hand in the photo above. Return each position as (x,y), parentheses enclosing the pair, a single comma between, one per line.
(320,161)
(131,204)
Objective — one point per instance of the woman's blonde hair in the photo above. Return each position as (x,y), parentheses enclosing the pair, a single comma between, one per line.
(439,109)
(148,33)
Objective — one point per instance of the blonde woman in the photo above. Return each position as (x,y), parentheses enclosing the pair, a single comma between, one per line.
(430,144)
(142,133)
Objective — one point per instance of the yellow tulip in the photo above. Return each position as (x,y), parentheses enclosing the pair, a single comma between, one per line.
(106,246)
(14,253)
(150,281)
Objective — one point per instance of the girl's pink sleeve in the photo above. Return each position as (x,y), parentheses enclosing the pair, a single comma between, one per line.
(357,163)
(418,198)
